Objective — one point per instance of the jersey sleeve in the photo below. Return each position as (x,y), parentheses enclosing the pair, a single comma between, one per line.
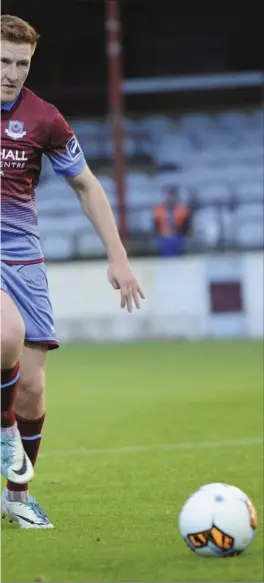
(64,150)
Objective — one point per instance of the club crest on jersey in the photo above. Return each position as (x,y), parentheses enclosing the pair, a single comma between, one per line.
(15,129)
(73,147)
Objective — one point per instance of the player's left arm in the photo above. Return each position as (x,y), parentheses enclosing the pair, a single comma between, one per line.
(97,208)
(67,159)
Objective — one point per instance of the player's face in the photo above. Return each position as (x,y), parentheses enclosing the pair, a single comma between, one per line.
(15,65)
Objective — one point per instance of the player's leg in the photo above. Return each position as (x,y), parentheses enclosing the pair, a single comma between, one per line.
(30,289)
(30,415)
(30,399)
(15,464)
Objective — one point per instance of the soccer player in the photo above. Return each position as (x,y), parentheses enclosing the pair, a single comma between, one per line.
(32,127)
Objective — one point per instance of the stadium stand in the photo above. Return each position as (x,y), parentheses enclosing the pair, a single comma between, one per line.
(216,159)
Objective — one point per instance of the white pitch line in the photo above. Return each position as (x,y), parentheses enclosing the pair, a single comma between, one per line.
(154,447)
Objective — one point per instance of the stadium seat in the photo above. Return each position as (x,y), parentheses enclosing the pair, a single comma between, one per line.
(157,125)
(164,180)
(248,211)
(199,176)
(256,120)
(210,193)
(139,180)
(243,172)
(140,221)
(138,198)
(250,234)
(206,227)
(62,204)
(212,158)
(232,120)
(249,191)
(88,243)
(196,122)
(57,246)
(172,149)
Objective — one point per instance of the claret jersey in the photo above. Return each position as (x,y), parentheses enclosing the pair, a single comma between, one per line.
(30,127)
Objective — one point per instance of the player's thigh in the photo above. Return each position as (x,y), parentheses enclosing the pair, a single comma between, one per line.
(12,331)
(28,286)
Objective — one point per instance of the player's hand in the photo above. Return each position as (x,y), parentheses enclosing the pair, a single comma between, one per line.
(121,277)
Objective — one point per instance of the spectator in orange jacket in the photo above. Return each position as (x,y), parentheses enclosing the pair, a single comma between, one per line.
(171,221)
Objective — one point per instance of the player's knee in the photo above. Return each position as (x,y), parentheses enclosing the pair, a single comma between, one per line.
(12,332)
(30,398)
(32,384)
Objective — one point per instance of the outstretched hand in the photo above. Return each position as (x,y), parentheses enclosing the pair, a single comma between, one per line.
(122,278)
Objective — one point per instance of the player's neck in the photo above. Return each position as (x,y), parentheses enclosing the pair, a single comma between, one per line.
(7,106)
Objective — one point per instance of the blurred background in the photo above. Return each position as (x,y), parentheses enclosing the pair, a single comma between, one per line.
(166,101)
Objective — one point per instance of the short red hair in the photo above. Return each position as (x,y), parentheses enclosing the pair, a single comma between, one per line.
(16,30)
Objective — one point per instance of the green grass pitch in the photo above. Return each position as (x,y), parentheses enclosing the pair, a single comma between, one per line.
(192,414)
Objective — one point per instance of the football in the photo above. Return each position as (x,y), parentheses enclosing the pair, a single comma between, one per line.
(218,520)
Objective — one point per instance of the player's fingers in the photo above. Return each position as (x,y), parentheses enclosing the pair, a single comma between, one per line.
(139,290)
(135,297)
(115,284)
(124,296)
(130,300)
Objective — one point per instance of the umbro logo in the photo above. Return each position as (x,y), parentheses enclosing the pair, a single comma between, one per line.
(73,147)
